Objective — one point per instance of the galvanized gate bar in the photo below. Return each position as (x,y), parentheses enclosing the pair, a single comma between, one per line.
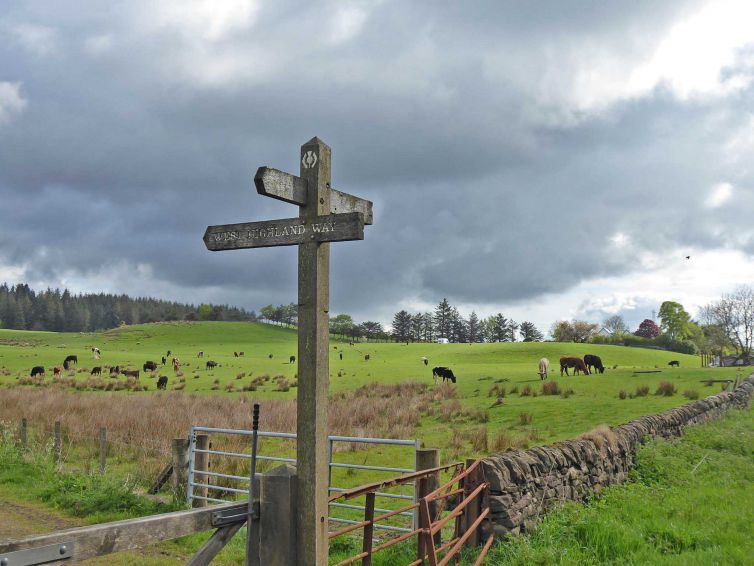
(38,555)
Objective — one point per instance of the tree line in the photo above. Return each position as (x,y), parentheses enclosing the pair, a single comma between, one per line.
(22,308)
(447,323)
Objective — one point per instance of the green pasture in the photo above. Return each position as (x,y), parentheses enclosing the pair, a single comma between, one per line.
(479,368)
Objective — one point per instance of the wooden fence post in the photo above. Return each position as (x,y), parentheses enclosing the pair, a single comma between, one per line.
(472,510)
(23,433)
(201,462)
(426,459)
(180,454)
(58,448)
(102,449)
(278,517)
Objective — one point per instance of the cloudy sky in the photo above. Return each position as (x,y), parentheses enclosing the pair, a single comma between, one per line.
(545,159)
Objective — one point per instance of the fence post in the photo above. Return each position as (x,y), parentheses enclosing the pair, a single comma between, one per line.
(201,464)
(58,443)
(472,510)
(179,449)
(23,433)
(102,449)
(426,459)
(278,517)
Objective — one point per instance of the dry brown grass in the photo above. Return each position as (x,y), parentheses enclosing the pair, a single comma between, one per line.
(642,391)
(665,389)
(601,435)
(524,418)
(550,388)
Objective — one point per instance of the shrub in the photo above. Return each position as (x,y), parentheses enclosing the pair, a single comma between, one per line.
(496,391)
(514,390)
(525,418)
(691,394)
(622,394)
(550,388)
(526,391)
(241,375)
(642,391)
(665,389)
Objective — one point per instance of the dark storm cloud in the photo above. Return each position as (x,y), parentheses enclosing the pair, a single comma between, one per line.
(489,185)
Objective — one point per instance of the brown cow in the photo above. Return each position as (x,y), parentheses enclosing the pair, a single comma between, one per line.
(576,363)
(131,373)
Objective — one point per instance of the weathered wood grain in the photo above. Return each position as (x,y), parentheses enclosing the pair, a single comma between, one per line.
(280,185)
(131,534)
(285,232)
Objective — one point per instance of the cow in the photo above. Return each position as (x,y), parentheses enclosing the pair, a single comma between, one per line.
(544,366)
(292,360)
(164,359)
(162,382)
(72,359)
(341,355)
(57,371)
(37,370)
(66,365)
(675,363)
(425,360)
(96,353)
(200,355)
(269,356)
(169,353)
(240,354)
(576,363)
(235,354)
(114,370)
(150,366)
(366,358)
(96,371)
(594,362)
(211,364)
(131,373)
(444,373)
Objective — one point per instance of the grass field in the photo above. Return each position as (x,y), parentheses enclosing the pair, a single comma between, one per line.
(479,367)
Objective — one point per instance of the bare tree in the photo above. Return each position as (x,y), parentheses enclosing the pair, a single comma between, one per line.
(616,325)
(734,314)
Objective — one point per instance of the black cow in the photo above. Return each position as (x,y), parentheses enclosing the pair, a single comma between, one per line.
(293,359)
(675,363)
(594,362)
(270,356)
(168,354)
(341,355)
(66,365)
(444,373)
(200,355)
(150,366)
(96,371)
(211,364)
(162,382)
(164,359)
(73,359)
(37,370)
(115,370)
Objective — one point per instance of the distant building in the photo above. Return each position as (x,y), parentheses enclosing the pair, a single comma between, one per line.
(443,341)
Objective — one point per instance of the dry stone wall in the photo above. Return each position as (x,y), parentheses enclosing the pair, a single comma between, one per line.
(525,484)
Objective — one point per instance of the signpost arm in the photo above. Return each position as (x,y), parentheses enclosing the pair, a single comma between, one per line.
(313,363)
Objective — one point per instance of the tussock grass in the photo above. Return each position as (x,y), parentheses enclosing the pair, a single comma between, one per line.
(665,389)
(550,388)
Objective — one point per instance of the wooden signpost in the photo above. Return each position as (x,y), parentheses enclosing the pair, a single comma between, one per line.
(325,215)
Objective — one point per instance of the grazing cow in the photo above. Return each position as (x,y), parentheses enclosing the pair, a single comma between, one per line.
(96,353)
(235,354)
(594,362)
(341,355)
(366,358)
(292,360)
(114,371)
(131,373)
(211,364)
(240,354)
(576,363)
(269,356)
(675,363)
(200,355)
(444,373)
(37,370)
(162,382)
(96,371)
(150,366)
(164,359)
(57,371)
(72,359)
(544,366)
(169,353)
(66,365)
(425,360)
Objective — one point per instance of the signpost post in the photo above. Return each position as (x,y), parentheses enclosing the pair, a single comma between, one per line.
(325,215)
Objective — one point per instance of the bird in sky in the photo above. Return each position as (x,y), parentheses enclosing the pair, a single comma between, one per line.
(688,257)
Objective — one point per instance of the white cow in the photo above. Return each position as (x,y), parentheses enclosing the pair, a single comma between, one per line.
(544,365)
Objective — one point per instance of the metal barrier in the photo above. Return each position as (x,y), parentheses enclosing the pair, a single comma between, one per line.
(408,492)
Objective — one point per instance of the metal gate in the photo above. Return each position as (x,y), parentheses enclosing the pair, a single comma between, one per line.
(215,491)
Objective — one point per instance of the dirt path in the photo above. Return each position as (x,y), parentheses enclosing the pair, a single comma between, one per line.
(23,518)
